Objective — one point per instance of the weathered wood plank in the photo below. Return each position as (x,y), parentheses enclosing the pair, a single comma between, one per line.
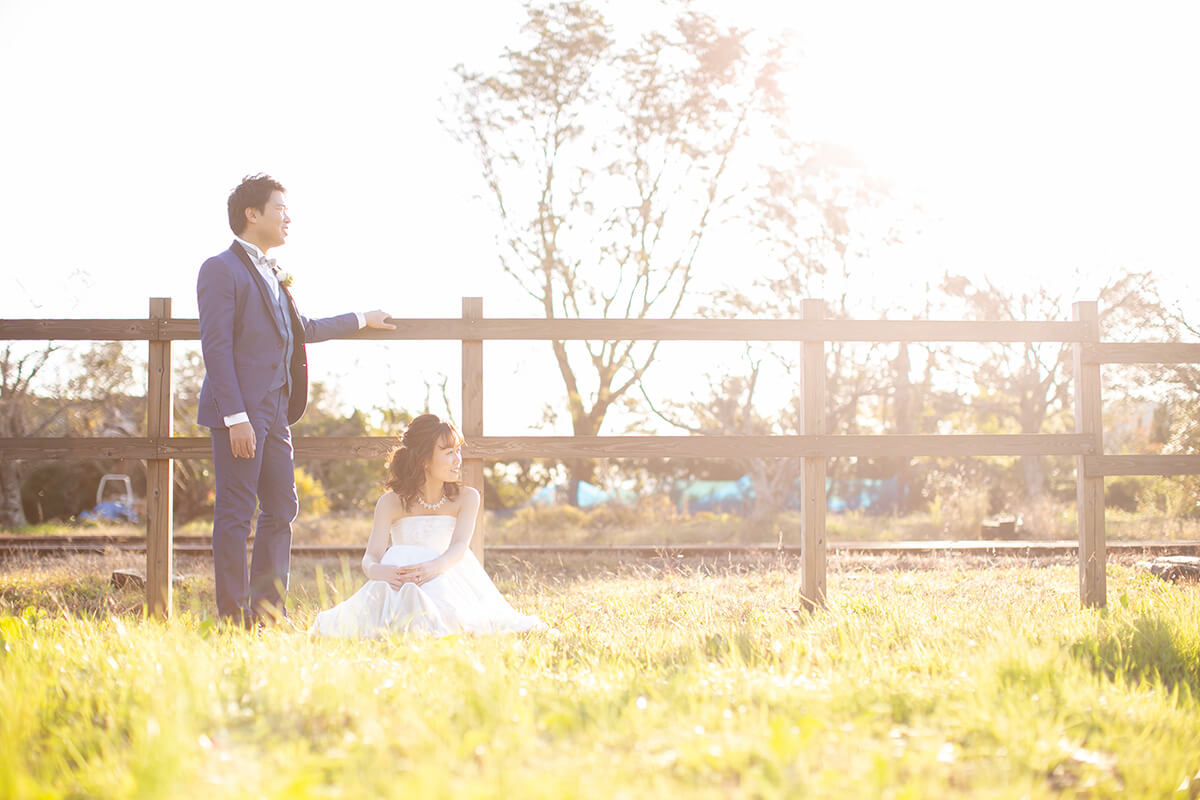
(24,546)
(837,330)
(1093,588)
(56,449)
(501,448)
(1174,568)
(795,330)
(1141,353)
(180,329)
(335,447)
(812,468)
(1100,466)
(472,413)
(99,330)
(100,448)
(160,472)
(505,448)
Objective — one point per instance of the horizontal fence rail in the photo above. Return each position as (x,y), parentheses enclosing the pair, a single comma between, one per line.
(507,448)
(160,448)
(1109,466)
(201,546)
(1142,353)
(651,330)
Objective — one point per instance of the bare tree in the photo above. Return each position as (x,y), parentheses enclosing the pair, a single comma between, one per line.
(730,411)
(607,166)
(17,372)
(1024,385)
(93,402)
(807,216)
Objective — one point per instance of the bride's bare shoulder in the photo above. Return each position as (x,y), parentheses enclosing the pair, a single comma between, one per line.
(390,503)
(468,496)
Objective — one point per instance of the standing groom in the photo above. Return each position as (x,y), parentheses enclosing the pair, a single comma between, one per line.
(255,386)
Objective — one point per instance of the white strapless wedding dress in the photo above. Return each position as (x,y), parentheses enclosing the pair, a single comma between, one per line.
(462,599)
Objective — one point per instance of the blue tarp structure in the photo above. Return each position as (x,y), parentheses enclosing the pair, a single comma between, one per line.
(730,497)
(589,495)
(872,495)
(110,510)
(121,509)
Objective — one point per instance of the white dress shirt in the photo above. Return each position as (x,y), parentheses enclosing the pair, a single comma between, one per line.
(264,265)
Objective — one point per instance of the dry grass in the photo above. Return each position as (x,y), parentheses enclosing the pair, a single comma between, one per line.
(81,583)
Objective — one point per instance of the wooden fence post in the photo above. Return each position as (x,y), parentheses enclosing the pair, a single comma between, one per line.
(472,411)
(159,471)
(1089,492)
(812,471)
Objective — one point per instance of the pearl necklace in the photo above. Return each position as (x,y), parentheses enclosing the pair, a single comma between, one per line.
(427,506)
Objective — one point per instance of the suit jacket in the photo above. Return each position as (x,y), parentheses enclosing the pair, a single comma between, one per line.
(242,343)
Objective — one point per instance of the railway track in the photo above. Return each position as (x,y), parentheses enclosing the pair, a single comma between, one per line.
(12,546)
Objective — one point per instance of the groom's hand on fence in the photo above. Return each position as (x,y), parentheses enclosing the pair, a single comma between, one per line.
(379,319)
(241,440)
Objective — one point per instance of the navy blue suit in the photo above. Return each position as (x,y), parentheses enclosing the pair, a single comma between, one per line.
(246,338)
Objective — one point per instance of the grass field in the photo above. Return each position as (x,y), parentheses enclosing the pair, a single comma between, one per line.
(922,679)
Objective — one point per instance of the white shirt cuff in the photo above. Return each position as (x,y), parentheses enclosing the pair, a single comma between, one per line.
(362,319)
(236,419)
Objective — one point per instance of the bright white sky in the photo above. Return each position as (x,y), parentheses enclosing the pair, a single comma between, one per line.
(1041,138)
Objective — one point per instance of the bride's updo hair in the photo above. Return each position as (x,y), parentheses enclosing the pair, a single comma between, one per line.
(406,465)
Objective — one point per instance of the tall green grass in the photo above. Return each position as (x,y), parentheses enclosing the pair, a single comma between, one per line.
(674,679)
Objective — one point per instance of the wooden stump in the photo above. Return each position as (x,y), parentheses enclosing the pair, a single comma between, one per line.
(1002,526)
(1174,568)
(134,578)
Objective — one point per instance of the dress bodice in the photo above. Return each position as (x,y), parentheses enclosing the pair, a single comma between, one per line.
(430,530)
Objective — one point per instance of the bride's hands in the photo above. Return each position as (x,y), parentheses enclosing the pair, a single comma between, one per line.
(414,573)
(389,575)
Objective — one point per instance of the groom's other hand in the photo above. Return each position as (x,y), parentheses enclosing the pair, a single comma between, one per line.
(379,319)
(241,440)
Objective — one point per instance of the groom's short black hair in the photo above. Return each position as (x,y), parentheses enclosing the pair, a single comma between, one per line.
(253,192)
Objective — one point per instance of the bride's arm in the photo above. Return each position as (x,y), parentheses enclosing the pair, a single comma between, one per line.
(464,527)
(387,510)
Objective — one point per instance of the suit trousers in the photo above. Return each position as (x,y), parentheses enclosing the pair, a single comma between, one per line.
(267,481)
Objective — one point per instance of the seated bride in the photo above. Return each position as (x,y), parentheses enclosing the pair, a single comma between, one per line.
(422,575)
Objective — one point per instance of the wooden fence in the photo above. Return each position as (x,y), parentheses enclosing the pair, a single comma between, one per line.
(159,448)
